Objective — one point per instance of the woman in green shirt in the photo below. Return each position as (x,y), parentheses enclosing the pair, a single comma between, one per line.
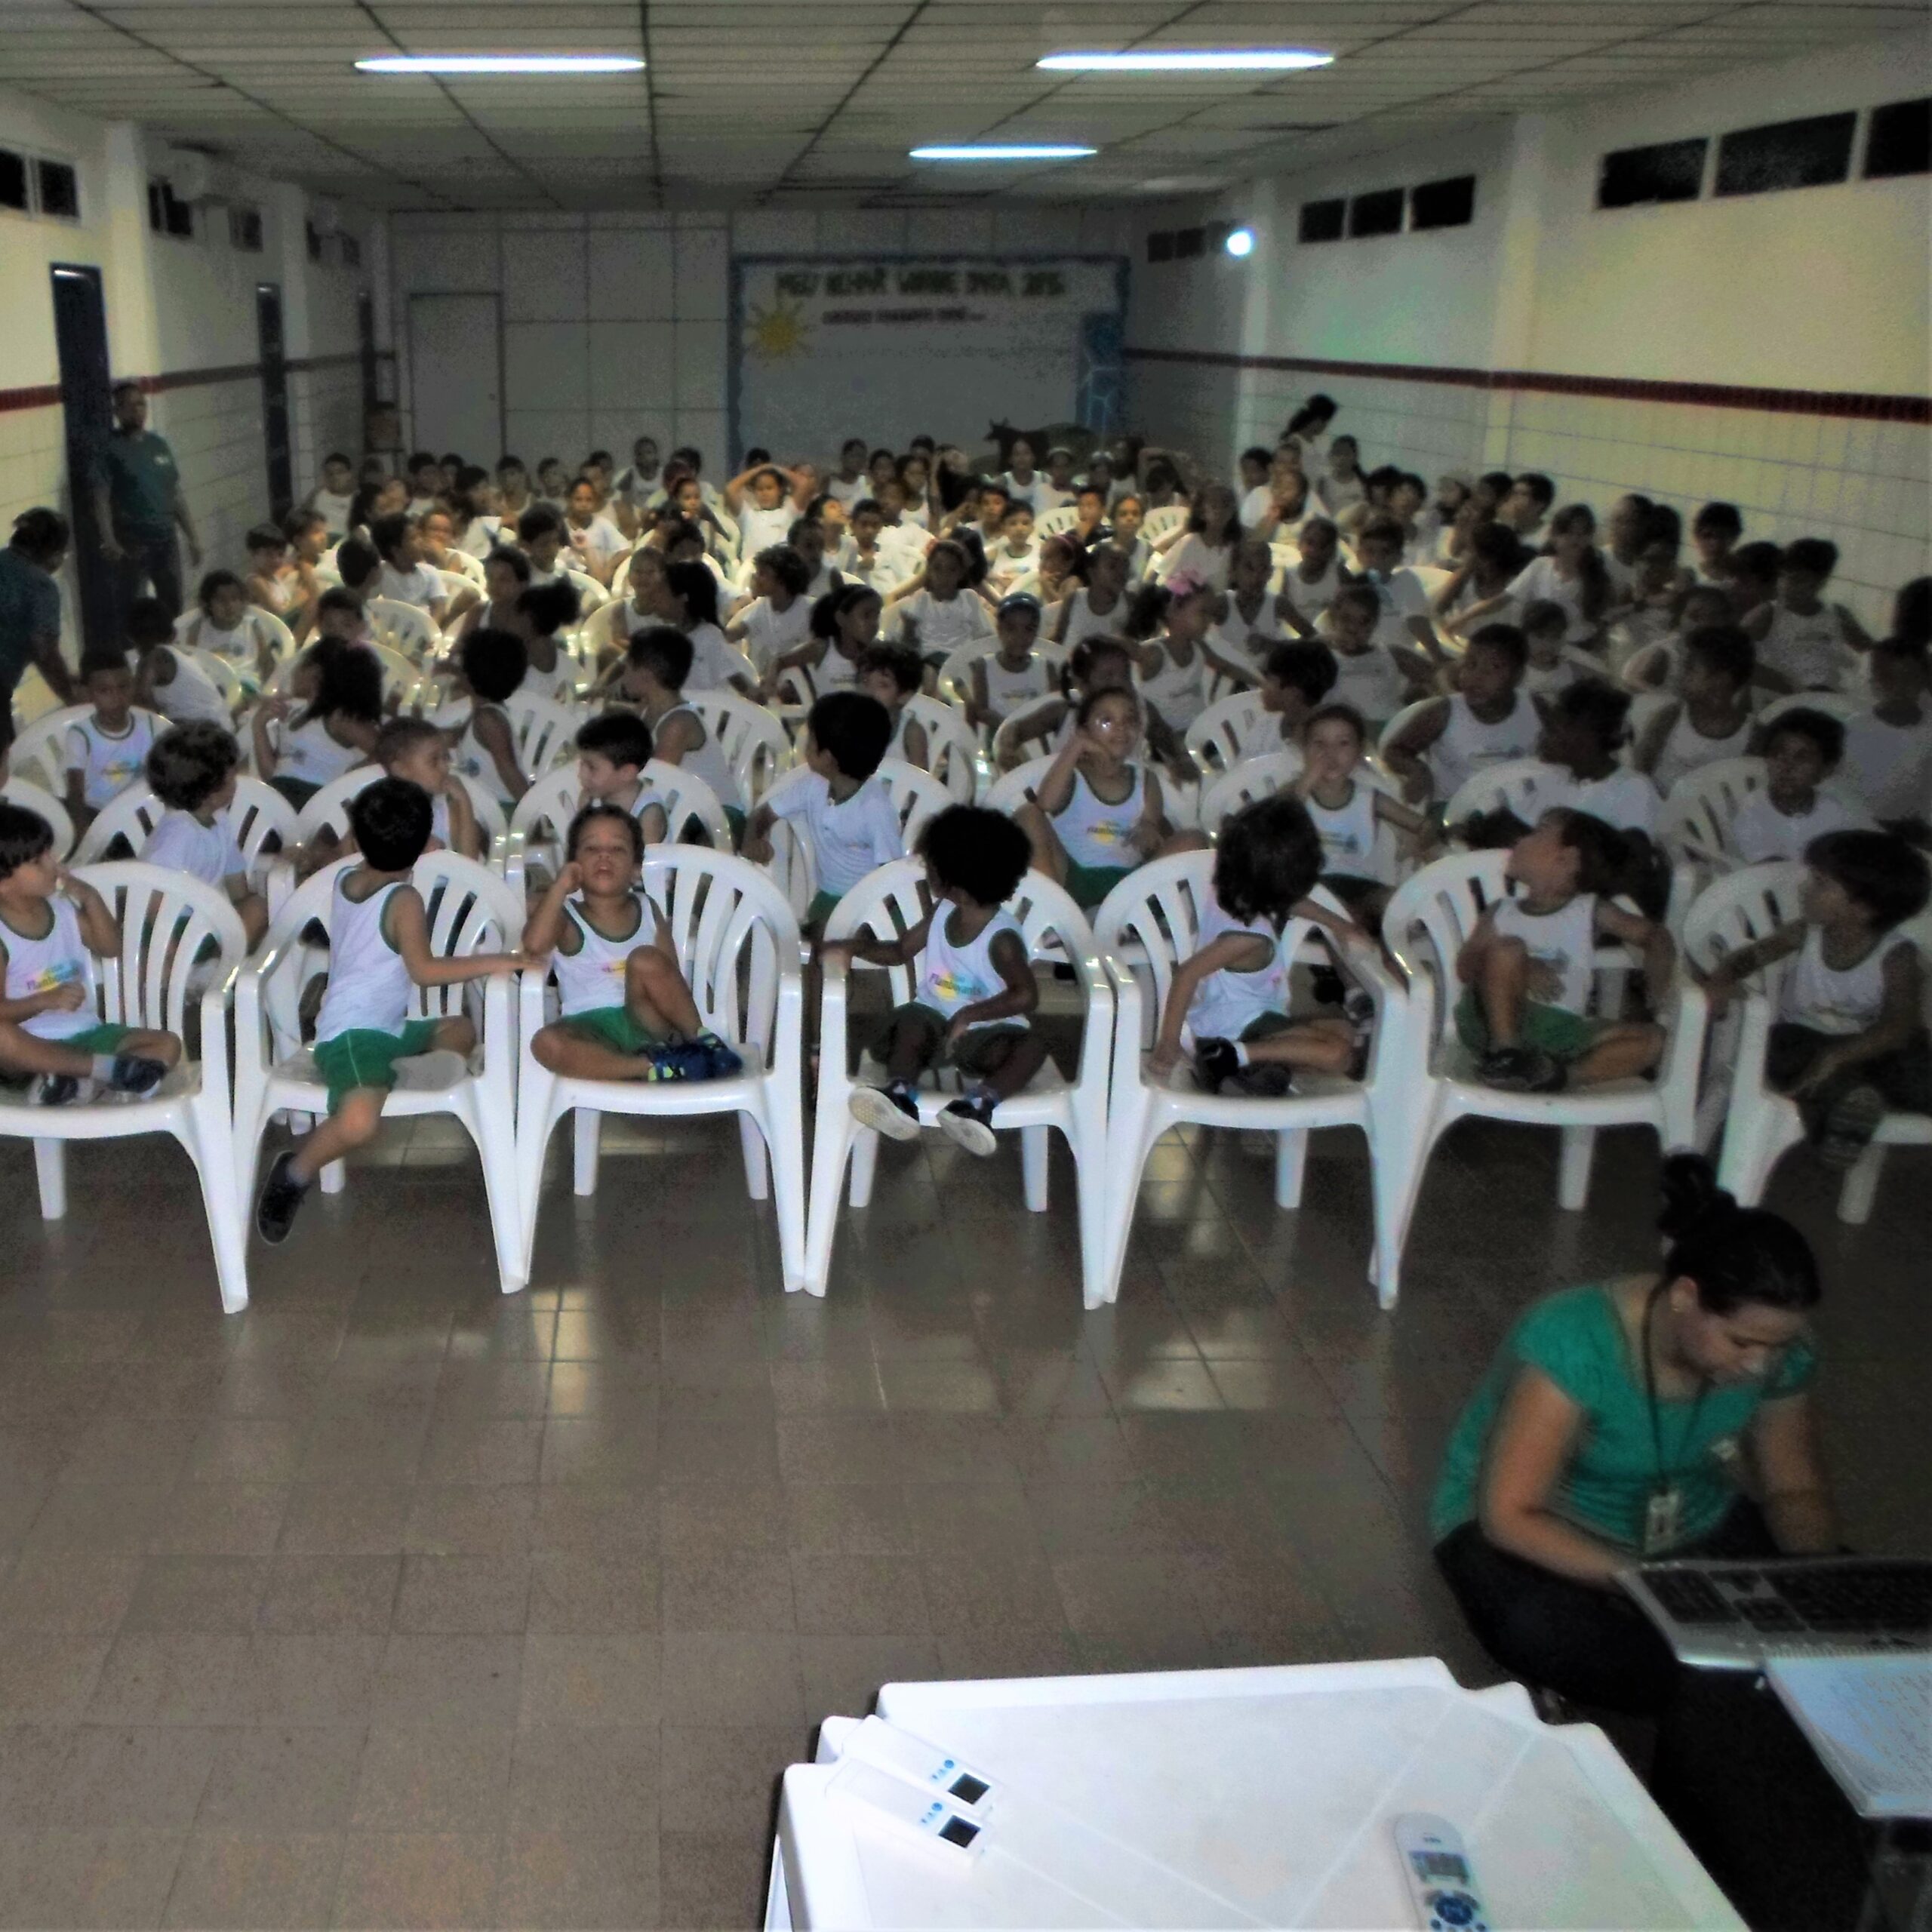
(1618,1422)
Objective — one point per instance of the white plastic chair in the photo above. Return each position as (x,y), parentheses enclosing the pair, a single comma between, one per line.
(753,740)
(1149,924)
(916,796)
(1700,809)
(1057,521)
(400,679)
(1429,917)
(471,910)
(1761,1126)
(405,628)
(544,812)
(952,752)
(1213,740)
(1012,790)
(738,942)
(32,798)
(1156,524)
(39,754)
(166,919)
(235,690)
(1840,705)
(327,813)
(262,820)
(1242,784)
(1518,785)
(1400,723)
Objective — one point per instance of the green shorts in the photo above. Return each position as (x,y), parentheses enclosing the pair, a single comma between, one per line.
(820,910)
(611,1026)
(972,1052)
(363,1057)
(1267,1027)
(1089,885)
(102,1039)
(1554,1030)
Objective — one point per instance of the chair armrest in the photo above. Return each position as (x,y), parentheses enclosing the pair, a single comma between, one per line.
(834,999)
(215,999)
(499,1034)
(1753,1041)
(1128,1002)
(515,858)
(1684,1021)
(1097,1037)
(531,984)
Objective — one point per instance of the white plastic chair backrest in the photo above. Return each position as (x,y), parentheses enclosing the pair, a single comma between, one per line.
(1053,522)
(1214,738)
(222,675)
(1433,911)
(1241,784)
(462,569)
(1740,908)
(731,930)
(1012,789)
(1156,524)
(952,751)
(1516,785)
(404,628)
(166,919)
(753,740)
(328,811)
(1840,705)
(39,754)
(400,677)
(282,639)
(32,798)
(1701,808)
(543,731)
(261,819)
(916,796)
(545,811)
(1402,720)
(131,814)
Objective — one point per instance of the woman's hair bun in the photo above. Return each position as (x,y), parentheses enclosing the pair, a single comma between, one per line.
(1691,1195)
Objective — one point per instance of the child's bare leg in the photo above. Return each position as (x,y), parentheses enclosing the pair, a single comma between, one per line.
(1502,990)
(574,1056)
(909,1050)
(353,1125)
(657,997)
(23,1052)
(456,1035)
(1323,1045)
(1049,855)
(1619,1052)
(1011,1062)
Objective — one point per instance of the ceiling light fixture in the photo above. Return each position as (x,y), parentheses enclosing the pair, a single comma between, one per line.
(1189,60)
(498,63)
(1004,151)
(1239,242)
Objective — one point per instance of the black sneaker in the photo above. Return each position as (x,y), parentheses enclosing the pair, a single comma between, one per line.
(891,1111)
(56,1089)
(1521,1070)
(1849,1125)
(968,1123)
(1215,1063)
(131,1073)
(1260,1083)
(721,1062)
(281,1197)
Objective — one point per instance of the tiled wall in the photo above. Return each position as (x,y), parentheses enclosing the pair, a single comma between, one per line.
(216,430)
(325,413)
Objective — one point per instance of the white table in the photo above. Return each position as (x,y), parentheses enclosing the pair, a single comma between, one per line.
(1241,1797)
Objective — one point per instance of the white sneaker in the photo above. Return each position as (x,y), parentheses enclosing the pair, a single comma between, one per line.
(885,1113)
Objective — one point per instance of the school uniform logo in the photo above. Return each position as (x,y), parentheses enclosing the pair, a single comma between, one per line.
(60,972)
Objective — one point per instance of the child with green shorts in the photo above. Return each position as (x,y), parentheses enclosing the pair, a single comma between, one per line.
(379,952)
(53,927)
(628,1013)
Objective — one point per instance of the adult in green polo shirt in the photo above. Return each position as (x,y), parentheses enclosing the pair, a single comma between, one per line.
(139,505)
(1620,1422)
(30,610)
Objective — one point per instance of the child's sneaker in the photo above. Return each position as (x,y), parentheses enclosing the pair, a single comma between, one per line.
(1215,1063)
(968,1123)
(891,1111)
(721,1061)
(58,1090)
(131,1073)
(281,1198)
(1521,1070)
(1853,1118)
(1271,1082)
(673,1062)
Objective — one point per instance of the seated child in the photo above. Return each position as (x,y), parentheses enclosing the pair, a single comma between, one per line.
(1888,750)
(1231,993)
(1552,665)
(505,577)
(1710,717)
(53,927)
(863,558)
(1251,618)
(227,626)
(379,952)
(658,662)
(1849,1041)
(1801,750)
(893,675)
(1658,666)
(414,748)
(628,1013)
(405,578)
(1528,967)
(779,617)
(1168,627)
(937,612)
(494,663)
(107,750)
(1715,532)
(1294,680)
(1582,731)
(844,626)
(612,750)
(974,988)
(1311,585)
(811,538)
(191,770)
(1348,812)
(167,680)
(1013,678)
(327,726)
(1370,677)
(1100,606)
(1403,622)
(269,587)
(837,805)
(1805,644)
(542,611)
(540,535)
(1488,720)
(1016,554)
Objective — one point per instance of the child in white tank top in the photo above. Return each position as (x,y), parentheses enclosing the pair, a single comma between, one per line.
(779,617)
(1174,665)
(1349,814)
(1487,721)
(658,662)
(1251,618)
(1013,677)
(1710,719)
(612,751)
(893,674)
(972,985)
(106,750)
(1096,813)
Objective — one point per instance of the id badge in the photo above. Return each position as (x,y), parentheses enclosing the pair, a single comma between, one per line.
(1662,1516)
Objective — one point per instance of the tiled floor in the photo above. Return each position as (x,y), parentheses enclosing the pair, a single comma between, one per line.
(394,1602)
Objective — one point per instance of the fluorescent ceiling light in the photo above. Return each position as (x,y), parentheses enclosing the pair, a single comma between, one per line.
(1189,60)
(1004,151)
(1240,242)
(500,63)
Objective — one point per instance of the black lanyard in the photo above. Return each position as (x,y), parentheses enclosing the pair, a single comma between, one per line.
(1651,1395)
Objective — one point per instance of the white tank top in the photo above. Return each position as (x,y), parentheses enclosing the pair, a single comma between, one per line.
(190,693)
(1094,833)
(1809,651)
(1179,692)
(1467,745)
(108,765)
(1311,599)
(240,647)
(1232,633)
(60,959)
(558,683)
(1371,680)
(473,759)
(308,754)
(1832,1000)
(1009,691)
(1564,940)
(1083,621)
(369,988)
(1226,1004)
(708,761)
(1349,833)
(951,977)
(1686,748)
(770,633)
(834,671)
(937,625)
(591,979)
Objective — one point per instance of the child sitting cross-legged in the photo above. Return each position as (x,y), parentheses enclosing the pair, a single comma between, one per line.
(1231,993)
(107,748)
(191,770)
(53,927)
(379,950)
(1849,1041)
(628,1013)
(975,984)
(1528,966)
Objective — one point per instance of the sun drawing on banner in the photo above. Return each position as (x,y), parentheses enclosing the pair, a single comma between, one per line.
(775,333)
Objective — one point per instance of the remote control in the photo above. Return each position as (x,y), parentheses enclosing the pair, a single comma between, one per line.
(1436,1867)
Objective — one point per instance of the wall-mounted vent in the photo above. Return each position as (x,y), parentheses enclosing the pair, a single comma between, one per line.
(1811,153)
(1323,221)
(1900,142)
(1379,212)
(1450,204)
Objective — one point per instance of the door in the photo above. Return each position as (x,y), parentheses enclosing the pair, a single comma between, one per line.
(80,336)
(456,375)
(274,398)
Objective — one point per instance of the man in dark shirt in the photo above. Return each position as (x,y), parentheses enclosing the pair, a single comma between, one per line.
(30,610)
(138,504)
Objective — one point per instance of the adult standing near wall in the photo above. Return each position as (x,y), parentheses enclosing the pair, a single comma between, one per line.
(30,611)
(139,505)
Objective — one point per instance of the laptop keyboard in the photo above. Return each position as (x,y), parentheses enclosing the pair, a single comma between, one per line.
(1844,1599)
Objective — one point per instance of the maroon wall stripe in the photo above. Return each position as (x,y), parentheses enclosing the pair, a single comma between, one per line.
(1710,395)
(47,396)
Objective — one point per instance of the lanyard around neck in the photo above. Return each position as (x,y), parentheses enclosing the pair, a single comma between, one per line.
(1651,1395)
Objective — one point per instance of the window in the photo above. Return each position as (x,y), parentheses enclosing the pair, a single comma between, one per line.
(314,241)
(1379,212)
(1189,241)
(166,213)
(352,252)
(1811,153)
(1161,246)
(1450,204)
(244,229)
(60,190)
(1640,177)
(1323,221)
(13,182)
(1900,142)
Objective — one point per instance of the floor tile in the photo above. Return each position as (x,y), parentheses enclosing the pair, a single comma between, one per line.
(255,1881)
